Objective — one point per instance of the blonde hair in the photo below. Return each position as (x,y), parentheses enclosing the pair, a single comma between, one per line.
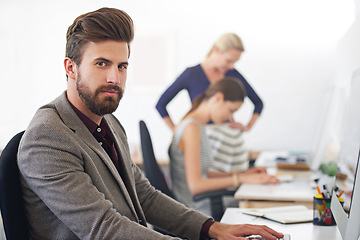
(228,41)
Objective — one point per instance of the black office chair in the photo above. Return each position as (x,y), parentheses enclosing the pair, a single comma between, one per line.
(157,179)
(11,202)
(151,168)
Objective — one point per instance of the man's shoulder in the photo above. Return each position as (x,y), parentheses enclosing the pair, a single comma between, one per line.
(52,115)
(49,110)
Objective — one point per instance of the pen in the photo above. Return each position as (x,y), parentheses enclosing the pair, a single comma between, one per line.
(340,194)
(318,189)
(326,192)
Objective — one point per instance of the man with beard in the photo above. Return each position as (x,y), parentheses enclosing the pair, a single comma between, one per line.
(77,176)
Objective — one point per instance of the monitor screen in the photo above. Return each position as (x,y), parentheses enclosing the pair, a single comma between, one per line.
(349,224)
(348,216)
(350,140)
(350,133)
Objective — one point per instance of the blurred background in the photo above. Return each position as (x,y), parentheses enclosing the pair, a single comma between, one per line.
(299,57)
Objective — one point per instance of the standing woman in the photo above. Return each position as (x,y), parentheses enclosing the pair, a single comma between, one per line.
(218,63)
(190,151)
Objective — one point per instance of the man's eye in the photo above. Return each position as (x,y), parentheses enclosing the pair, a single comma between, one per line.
(101,64)
(123,67)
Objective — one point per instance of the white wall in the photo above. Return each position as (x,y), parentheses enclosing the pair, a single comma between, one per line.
(290,60)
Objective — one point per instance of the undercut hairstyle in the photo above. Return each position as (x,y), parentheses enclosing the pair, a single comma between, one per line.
(232,89)
(97,26)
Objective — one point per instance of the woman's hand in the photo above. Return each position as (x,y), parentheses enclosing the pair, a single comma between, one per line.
(256,170)
(257,178)
(237,125)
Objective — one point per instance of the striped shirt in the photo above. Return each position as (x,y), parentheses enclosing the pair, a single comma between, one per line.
(227,147)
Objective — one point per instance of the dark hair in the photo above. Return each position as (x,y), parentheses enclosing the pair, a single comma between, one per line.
(231,87)
(102,24)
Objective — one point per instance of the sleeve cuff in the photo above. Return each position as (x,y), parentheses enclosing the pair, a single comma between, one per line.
(204,234)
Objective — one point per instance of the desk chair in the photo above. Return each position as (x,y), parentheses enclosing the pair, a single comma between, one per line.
(11,202)
(157,179)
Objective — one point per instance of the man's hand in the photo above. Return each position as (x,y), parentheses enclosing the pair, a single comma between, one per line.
(223,231)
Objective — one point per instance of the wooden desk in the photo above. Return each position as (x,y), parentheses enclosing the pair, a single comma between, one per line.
(299,231)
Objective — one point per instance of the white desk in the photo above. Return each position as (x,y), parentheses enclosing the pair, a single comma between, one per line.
(300,231)
(298,191)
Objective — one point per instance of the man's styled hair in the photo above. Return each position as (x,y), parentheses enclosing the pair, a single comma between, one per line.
(100,25)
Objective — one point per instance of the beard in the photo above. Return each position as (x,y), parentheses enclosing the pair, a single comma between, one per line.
(94,102)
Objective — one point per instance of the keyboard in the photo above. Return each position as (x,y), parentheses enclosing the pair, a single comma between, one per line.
(256,237)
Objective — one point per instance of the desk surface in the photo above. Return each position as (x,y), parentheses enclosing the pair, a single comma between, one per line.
(299,189)
(298,231)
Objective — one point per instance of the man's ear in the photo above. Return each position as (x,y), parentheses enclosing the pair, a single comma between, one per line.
(70,68)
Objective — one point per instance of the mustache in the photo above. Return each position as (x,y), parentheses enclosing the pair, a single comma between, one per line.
(106,88)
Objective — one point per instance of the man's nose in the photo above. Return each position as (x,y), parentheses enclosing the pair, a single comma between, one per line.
(113,76)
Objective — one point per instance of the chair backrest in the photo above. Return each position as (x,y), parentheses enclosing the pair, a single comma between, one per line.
(11,202)
(151,168)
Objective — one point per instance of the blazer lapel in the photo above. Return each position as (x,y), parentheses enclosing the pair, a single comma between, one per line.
(78,127)
(127,176)
(120,179)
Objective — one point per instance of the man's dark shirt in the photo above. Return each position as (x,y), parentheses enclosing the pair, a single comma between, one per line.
(103,135)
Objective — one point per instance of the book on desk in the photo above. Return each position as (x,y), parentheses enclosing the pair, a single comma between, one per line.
(285,215)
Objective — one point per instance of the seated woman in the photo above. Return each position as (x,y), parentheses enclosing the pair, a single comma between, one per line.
(190,151)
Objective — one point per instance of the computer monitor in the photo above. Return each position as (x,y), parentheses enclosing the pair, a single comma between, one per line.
(349,223)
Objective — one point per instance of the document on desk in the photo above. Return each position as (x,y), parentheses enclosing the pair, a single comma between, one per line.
(288,214)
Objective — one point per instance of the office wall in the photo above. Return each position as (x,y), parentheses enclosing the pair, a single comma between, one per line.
(290,60)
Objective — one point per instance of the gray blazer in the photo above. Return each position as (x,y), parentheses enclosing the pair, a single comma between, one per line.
(72,190)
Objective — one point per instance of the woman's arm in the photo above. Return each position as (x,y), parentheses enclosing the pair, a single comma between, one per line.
(190,145)
(248,127)
(169,94)
(254,98)
(250,92)
(169,123)
(215,173)
(255,175)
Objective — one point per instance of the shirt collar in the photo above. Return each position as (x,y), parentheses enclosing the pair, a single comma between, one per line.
(92,126)
(87,121)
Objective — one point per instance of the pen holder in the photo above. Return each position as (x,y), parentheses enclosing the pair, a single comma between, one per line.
(322,214)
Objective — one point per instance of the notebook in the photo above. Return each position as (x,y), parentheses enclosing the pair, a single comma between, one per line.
(285,215)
